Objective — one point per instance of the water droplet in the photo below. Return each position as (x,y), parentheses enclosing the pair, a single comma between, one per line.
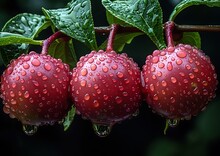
(164,83)
(26,94)
(13,85)
(120,75)
(188,67)
(45,91)
(195,70)
(155,59)
(102,130)
(105,97)
(181,54)
(84,72)
(30,129)
(36,91)
(12,94)
(87,97)
(35,62)
(170,49)
(173,80)
(44,77)
(159,74)
(169,66)
(95,103)
(205,83)
(9,70)
(155,97)
(27,58)
(35,83)
(161,65)
(121,88)
(191,75)
(93,67)
(125,93)
(118,100)
(152,87)
(115,66)
(179,61)
(172,100)
(13,102)
(83,83)
(173,122)
(105,69)
(47,66)
(26,65)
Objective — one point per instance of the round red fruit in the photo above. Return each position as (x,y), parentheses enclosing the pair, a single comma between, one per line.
(106,87)
(34,89)
(179,81)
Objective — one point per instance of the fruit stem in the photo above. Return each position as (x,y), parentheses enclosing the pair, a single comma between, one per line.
(196,28)
(111,37)
(180,28)
(47,42)
(168,28)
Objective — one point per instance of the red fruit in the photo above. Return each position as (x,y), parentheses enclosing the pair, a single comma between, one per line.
(34,89)
(105,87)
(179,81)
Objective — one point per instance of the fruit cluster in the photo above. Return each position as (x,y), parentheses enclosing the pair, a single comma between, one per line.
(106,88)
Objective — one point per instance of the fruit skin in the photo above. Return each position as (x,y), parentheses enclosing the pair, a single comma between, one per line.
(179,81)
(106,87)
(34,89)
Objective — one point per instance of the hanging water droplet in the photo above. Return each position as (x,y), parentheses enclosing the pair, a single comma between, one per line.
(102,130)
(30,129)
(173,122)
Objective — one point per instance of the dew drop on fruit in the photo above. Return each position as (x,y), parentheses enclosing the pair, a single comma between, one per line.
(84,72)
(35,62)
(173,122)
(181,54)
(169,66)
(115,66)
(118,100)
(173,80)
(155,59)
(26,65)
(47,66)
(102,130)
(30,129)
(9,70)
(105,69)
(93,67)
(120,75)
(87,97)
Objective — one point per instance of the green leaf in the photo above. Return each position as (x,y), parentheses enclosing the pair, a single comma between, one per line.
(192,38)
(69,118)
(121,40)
(187,3)
(75,21)
(25,24)
(65,51)
(114,20)
(145,15)
(10,38)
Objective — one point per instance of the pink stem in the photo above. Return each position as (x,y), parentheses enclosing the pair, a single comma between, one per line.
(47,42)
(169,27)
(111,37)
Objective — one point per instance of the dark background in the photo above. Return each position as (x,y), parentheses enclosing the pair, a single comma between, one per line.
(139,136)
